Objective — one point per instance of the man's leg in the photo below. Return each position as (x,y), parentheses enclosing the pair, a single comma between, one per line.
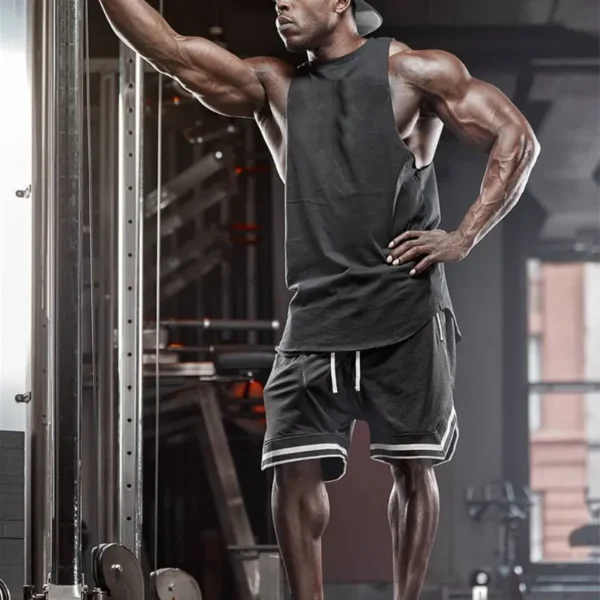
(397,520)
(300,515)
(414,514)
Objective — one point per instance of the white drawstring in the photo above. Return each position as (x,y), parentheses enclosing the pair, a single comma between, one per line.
(333,375)
(439,320)
(334,385)
(357,372)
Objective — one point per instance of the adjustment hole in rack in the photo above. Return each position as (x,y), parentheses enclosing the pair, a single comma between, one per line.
(129,453)
(130,288)
(129,321)
(130,420)
(129,518)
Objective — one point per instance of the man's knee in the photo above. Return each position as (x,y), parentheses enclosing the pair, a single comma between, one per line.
(298,475)
(411,470)
(299,490)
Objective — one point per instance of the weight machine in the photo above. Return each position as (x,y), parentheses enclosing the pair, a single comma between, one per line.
(120,566)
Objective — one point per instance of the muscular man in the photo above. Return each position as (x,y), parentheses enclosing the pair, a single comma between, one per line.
(371,330)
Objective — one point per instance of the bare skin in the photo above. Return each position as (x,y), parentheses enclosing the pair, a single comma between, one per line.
(429,89)
(413,513)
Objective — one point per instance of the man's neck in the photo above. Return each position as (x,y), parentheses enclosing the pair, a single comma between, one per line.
(335,47)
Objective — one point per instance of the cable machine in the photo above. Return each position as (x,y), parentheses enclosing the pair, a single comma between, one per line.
(78,367)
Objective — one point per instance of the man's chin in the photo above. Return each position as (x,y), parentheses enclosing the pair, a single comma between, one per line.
(294,49)
(294,45)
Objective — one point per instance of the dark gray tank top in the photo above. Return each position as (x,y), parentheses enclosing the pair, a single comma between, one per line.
(351,187)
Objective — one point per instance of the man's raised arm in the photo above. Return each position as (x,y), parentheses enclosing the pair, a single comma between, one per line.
(220,80)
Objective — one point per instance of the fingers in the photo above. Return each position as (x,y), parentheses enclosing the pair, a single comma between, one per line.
(406,254)
(408,251)
(412,245)
(424,264)
(407,235)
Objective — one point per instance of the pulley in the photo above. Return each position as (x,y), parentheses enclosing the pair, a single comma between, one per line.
(174,584)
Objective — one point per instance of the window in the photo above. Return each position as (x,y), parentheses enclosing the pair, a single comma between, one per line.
(564,406)
(15,212)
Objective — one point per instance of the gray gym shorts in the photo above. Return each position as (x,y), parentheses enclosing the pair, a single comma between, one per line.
(403,391)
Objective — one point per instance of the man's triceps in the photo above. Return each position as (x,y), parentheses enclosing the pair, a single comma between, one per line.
(221,80)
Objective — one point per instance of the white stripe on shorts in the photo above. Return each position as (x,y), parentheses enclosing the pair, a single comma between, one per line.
(434,447)
(304,449)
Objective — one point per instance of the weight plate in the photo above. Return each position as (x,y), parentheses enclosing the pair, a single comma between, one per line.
(96,561)
(119,573)
(175,584)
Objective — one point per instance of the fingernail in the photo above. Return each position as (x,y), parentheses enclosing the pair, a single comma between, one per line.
(413,272)
(391,245)
(389,259)
(396,262)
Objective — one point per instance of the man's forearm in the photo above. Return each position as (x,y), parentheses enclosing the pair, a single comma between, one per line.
(511,160)
(143,29)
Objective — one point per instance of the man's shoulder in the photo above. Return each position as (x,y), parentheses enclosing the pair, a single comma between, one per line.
(275,76)
(397,47)
(424,68)
(404,59)
(270,69)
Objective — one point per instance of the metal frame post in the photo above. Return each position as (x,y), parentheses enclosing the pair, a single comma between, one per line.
(130,290)
(67,384)
(39,473)
(107,448)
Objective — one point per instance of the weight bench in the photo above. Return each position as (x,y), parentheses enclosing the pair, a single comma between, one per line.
(248,364)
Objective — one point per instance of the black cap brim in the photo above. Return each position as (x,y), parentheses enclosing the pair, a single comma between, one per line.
(368,19)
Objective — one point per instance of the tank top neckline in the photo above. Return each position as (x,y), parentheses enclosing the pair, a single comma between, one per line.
(320,65)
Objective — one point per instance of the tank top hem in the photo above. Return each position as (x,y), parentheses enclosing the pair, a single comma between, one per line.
(417,324)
